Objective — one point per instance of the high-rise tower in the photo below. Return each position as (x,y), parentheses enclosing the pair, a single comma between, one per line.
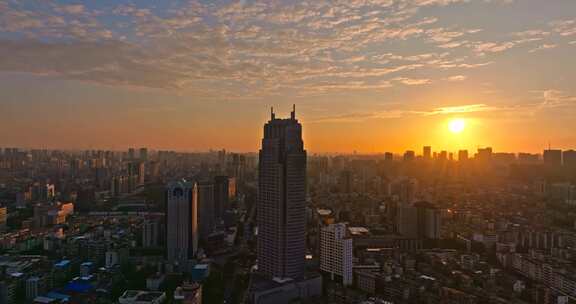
(282,199)
(181,221)
(206,218)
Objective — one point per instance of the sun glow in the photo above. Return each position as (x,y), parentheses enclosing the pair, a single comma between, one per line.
(457,125)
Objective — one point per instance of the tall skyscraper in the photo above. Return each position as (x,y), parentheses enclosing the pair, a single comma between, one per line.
(407,221)
(221,195)
(221,161)
(443,155)
(429,220)
(144,154)
(181,221)
(136,174)
(141,173)
(427,152)
(205,208)
(282,200)
(131,153)
(463,155)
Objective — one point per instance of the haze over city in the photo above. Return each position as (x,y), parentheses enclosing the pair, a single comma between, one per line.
(288,152)
(367,76)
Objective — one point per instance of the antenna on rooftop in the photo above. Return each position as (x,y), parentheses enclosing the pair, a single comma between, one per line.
(293,114)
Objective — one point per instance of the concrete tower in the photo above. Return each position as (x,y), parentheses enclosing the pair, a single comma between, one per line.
(282,199)
(181,221)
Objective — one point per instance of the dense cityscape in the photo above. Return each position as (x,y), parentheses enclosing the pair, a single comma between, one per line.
(281,226)
(288,152)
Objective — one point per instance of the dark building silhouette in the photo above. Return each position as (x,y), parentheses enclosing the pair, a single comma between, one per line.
(427,152)
(281,200)
(463,155)
(569,158)
(206,217)
(221,195)
(409,155)
(553,157)
(484,154)
(181,221)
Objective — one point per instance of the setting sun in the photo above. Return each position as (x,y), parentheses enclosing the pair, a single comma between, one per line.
(456,125)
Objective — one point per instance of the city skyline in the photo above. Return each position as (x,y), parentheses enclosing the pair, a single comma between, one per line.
(386,74)
(417,151)
(287,151)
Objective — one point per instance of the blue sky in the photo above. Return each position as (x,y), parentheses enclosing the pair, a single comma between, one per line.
(200,74)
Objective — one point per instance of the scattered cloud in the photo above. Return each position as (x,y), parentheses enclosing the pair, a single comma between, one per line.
(456,78)
(250,49)
(73,9)
(552,98)
(564,28)
(360,117)
(462,109)
(412,81)
(403,113)
(544,47)
(491,47)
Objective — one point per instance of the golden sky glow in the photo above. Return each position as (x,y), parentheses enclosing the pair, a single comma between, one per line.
(366,76)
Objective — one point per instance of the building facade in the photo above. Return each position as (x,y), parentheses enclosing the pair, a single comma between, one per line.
(282,200)
(181,221)
(336,252)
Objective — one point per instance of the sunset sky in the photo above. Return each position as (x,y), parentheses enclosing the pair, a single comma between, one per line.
(365,75)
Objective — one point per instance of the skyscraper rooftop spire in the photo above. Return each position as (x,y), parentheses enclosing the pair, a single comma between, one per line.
(272,115)
(293,114)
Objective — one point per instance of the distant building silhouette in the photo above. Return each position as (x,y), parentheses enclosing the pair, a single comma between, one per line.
(553,157)
(143,154)
(221,195)
(427,152)
(463,155)
(569,158)
(206,218)
(409,155)
(388,156)
(420,220)
(484,154)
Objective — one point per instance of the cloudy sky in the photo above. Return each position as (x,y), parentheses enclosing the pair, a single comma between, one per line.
(365,75)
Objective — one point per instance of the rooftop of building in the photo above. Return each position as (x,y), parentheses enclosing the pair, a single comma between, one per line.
(259,283)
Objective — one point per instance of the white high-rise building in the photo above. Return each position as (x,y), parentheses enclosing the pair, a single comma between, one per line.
(336,252)
(181,221)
